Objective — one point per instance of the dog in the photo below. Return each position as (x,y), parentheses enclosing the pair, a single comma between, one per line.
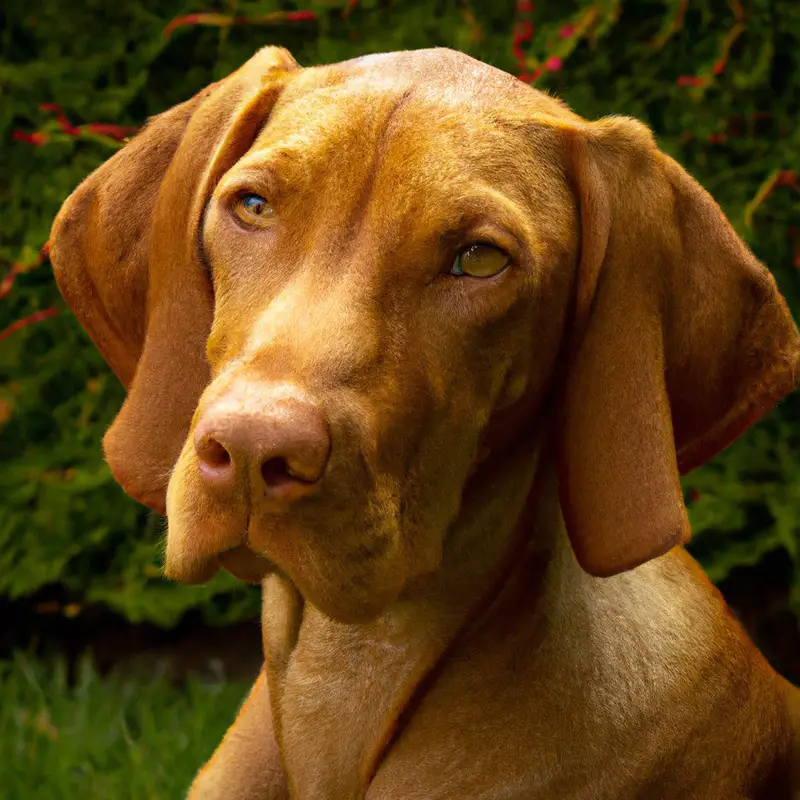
(424,353)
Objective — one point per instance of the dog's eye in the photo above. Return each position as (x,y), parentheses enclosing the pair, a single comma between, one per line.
(252,209)
(480,261)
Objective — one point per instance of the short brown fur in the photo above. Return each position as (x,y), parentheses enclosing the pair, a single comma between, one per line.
(485,595)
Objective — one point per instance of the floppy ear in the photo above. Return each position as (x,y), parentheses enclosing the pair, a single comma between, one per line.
(125,255)
(681,341)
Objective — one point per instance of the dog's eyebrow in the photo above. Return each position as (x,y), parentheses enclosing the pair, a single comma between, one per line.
(263,176)
(492,212)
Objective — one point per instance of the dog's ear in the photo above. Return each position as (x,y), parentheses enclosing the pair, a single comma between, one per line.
(124,249)
(681,340)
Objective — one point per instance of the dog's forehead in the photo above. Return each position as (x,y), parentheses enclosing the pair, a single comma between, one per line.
(438,78)
(426,133)
(435,111)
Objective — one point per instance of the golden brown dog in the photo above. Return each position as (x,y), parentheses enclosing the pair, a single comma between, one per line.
(425,352)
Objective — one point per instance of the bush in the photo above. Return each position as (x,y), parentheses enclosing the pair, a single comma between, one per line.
(717,82)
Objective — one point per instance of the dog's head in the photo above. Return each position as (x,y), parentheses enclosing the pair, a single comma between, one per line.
(330,292)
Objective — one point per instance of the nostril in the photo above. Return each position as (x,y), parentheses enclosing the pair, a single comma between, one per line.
(276,472)
(280,451)
(212,453)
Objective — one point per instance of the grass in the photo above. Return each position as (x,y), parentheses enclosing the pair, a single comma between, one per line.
(109,738)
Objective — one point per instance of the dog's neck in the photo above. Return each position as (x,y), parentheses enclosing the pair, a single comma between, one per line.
(616,648)
(340,692)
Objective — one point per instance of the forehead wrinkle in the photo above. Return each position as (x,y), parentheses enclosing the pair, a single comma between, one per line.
(380,151)
(439,171)
(325,146)
(456,155)
(306,135)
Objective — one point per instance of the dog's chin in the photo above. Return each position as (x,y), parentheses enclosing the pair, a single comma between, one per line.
(346,609)
(335,593)
(348,606)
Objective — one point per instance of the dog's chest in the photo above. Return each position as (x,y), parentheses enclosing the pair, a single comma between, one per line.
(453,754)
(336,710)
(524,713)
(516,711)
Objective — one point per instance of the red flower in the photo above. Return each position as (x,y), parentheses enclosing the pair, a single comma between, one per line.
(691,80)
(37,139)
(301,16)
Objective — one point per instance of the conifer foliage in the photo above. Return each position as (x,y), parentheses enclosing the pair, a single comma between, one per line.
(717,81)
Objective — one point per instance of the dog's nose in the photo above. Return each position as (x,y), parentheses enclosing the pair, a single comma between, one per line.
(281,451)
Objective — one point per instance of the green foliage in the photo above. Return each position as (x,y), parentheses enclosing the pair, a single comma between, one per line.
(125,739)
(62,518)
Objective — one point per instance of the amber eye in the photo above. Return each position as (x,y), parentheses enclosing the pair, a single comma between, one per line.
(480,261)
(252,209)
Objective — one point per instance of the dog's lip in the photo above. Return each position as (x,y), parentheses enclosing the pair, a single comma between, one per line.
(245,564)
(196,571)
